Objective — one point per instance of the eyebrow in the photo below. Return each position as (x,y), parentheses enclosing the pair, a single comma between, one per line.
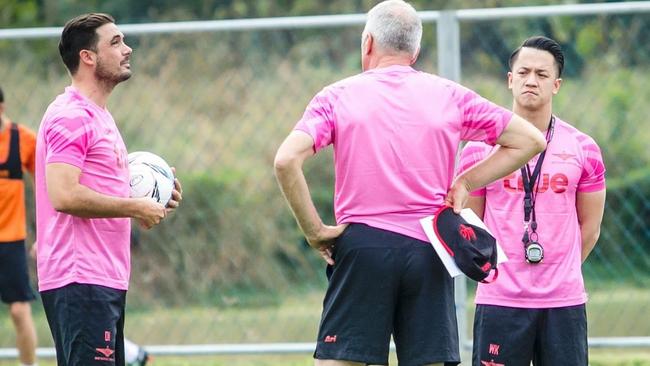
(529,68)
(118,36)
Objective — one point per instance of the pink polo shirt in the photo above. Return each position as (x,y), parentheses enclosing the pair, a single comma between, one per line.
(76,131)
(573,164)
(395,133)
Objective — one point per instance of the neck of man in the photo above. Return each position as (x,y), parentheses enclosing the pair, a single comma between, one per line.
(93,89)
(390,60)
(540,118)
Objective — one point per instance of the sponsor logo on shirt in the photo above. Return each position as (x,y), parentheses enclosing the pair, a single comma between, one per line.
(557,183)
(566,158)
(564,155)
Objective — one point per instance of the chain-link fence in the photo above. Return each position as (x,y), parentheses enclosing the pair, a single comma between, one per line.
(230,266)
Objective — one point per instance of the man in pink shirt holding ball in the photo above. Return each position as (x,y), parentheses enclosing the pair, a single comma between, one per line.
(83,207)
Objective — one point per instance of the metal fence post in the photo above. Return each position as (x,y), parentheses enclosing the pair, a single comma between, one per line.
(448,30)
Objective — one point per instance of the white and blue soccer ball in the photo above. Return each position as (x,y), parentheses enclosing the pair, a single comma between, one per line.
(150,176)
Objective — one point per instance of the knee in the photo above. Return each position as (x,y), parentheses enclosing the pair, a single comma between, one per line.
(20,312)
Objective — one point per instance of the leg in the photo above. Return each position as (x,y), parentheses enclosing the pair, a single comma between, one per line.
(504,335)
(562,337)
(21,315)
(426,331)
(17,292)
(358,309)
(119,334)
(51,304)
(86,324)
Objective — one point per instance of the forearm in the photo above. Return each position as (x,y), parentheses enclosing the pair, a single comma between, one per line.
(590,207)
(517,144)
(82,201)
(589,238)
(497,165)
(294,188)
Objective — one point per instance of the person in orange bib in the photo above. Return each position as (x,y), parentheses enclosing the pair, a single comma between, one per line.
(17,153)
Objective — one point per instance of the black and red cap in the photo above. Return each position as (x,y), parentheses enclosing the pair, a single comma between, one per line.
(473,249)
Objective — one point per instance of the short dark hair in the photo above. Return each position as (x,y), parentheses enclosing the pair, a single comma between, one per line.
(2,96)
(544,44)
(79,34)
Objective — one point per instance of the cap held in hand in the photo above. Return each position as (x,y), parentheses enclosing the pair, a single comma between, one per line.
(473,249)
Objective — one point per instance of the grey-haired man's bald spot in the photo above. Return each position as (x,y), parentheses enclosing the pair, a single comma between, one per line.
(395,26)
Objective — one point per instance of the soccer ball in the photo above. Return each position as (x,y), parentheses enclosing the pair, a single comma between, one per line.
(150,176)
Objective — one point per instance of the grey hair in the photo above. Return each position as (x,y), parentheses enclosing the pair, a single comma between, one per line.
(395,26)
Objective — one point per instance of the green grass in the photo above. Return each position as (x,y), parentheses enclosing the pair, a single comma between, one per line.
(294,318)
(263,360)
(600,357)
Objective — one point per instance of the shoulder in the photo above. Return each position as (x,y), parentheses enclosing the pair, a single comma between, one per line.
(343,84)
(70,113)
(74,122)
(329,95)
(579,138)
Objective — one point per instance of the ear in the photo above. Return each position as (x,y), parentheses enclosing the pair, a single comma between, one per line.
(87,57)
(2,108)
(415,56)
(510,80)
(368,43)
(556,85)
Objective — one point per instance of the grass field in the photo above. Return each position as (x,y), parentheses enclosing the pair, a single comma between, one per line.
(612,312)
(597,358)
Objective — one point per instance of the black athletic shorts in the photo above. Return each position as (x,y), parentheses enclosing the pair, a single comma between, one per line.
(517,336)
(87,324)
(384,284)
(14,276)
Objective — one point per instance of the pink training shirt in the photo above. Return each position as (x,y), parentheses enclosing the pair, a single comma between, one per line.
(573,164)
(71,249)
(395,133)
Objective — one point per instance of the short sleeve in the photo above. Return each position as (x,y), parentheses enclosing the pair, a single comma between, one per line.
(68,139)
(471,154)
(482,120)
(593,168)
(318,119)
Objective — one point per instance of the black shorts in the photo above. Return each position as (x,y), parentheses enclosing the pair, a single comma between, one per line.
(517,336)
(384,284)
(87,324)
(14,276)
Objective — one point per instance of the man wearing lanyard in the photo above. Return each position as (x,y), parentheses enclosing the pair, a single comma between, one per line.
(547,217)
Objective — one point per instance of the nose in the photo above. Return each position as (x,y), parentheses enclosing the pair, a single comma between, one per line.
(531,79)
(127,50)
